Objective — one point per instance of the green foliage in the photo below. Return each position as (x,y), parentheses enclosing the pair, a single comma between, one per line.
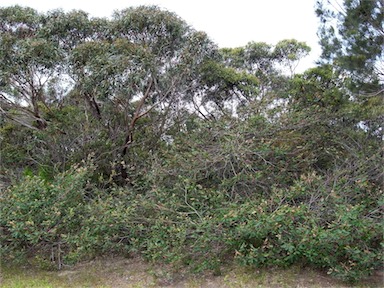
(351,36)
(226,82)
(318,88)
(61,220)
(313,221)
(308,224)
(36,211)
(200,155)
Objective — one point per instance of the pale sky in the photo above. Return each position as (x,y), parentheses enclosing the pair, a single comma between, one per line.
(228,23)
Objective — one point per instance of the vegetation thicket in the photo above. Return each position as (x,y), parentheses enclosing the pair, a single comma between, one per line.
(136,134)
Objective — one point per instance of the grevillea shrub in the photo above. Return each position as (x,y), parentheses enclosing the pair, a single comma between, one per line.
(36,213)
(61,221)
(310,223)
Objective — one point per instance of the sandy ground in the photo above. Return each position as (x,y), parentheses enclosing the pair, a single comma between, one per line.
(134,272)
(121,272)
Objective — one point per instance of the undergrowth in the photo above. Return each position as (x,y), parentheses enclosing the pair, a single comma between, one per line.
(59,222)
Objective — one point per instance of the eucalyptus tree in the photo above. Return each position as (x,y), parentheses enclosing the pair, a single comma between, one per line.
(260,58)
(28,63)
(161,74)
(34,57)
(139,79)
(140,66)
(273,66)
(39,121)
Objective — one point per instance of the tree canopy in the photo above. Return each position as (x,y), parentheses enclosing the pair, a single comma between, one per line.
(351,36)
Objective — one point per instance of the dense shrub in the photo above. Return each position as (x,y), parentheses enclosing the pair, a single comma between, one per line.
(36,211)
(312,223)
(62,219)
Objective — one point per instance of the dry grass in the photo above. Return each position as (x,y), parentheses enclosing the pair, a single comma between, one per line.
(120,272)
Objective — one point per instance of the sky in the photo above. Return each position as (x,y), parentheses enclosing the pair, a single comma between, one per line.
(229,23)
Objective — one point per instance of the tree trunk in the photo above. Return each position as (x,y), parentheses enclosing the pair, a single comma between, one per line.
(131,128)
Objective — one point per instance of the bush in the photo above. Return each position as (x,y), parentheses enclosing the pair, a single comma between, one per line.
(35,213)
(290,228)
(349,246)
(179,226)
(311,222)
(62,220)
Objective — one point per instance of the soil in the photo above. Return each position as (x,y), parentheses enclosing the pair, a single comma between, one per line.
(135,272)
(121,272)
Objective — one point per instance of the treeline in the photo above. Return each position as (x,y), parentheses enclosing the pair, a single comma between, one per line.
(138,135)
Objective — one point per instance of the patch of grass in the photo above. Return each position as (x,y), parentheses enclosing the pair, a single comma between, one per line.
(135,273)
(16,277)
